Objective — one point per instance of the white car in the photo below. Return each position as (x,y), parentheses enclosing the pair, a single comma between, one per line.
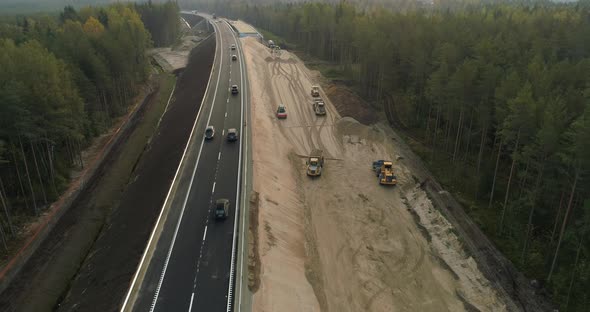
(209,132)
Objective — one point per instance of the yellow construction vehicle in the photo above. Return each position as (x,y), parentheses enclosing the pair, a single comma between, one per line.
(384,170)
(315,163)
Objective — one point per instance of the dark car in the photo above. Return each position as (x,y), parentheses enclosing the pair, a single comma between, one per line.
(232,135)
(209,132)
(234,57)
(234,89)
(233,46)
(221,208)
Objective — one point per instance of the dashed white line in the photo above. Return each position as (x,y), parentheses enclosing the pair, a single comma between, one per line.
(141,263)
(163,274)
(219,156)
(225,114)
(227,102)
(213,191)
(190,307)
(205,234)
(223,132)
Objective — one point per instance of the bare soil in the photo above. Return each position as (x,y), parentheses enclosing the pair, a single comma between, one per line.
(173,58)
(253,252)
(100,240)
(342,242)
(349,104)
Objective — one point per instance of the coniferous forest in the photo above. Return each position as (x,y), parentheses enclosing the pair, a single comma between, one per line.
(498,97)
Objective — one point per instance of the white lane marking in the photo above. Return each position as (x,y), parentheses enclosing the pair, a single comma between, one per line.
(227,102)
(223,132)
(190,307)
(244,188)
(169,98)
(225,114)
(230,78)
(187,24)
(190,186)
(147,247)
(205,234)
(213,191)
(233,251)
(219,156)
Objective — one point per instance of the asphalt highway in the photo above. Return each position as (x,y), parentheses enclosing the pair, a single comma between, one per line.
(191,263)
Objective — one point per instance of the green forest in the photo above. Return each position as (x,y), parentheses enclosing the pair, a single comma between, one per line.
(161,21)
(498,97)
(64,79)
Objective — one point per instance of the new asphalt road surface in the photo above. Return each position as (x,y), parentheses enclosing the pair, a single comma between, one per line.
(190,265)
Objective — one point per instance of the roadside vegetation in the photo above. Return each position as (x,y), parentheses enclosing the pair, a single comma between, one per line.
(161,21)
(64,79)
(495,97)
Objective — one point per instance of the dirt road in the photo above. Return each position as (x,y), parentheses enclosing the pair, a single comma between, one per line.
(342,242)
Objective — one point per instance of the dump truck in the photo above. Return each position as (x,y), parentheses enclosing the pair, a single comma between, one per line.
(315,163)
(319,107)
(315,91)
(384,170)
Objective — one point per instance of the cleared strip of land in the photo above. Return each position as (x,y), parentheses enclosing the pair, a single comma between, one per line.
(342,242)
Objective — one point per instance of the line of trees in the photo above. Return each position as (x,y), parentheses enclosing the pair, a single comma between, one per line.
(161,20)
(63,81)
(500,96)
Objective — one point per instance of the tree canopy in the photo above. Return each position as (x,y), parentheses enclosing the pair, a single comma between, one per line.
(63,81)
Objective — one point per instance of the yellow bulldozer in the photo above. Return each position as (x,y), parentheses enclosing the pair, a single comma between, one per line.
(384,170)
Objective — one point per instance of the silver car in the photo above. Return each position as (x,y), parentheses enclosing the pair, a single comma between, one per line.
(209,132)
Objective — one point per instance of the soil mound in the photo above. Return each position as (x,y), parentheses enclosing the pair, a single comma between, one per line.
(349,104)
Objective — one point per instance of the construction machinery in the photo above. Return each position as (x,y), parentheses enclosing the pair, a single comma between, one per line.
(315,91)
(315,163)
(319,107)
(384,170)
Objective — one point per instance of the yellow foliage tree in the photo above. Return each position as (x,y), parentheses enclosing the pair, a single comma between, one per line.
(93,26)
